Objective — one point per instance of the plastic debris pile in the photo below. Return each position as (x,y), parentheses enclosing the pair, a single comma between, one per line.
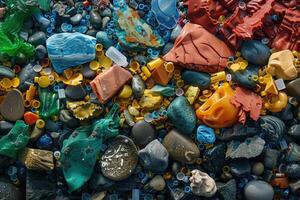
(149,99)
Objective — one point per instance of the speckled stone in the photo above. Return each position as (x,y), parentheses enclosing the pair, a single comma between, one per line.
(255,52)
(143,133)
(258,190)
(9,191)
(138,86)
(120,159)
(182,115)
(12,108)
(181,147)
(75,92)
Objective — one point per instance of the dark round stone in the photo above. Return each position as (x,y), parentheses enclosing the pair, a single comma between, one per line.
(143,133)
(75,92)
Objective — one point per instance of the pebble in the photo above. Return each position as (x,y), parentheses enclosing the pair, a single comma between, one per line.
(291,169)
(105,13)
(181,147)
(6,72)
(258,168)
(41,52)
(27,74)
(76,19)
(87,72)
(38,38)
(157,183)
(256,52)
(103,38)
(9,191)
(95,19)
(120,159)
(138,86)
(182,115)
(143,133)
(105,21)
(258,190)
(154,157)
(198,79)
(75,92)
(240,167)
(12,107)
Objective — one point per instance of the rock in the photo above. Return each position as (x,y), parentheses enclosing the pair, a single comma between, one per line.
(105,21)
(255,52)
(6,72)
(138,86)
(215,159)
(271,158)
(273,128)
(240,167)
(143,133)
(181,147)
(291,169)
(202,184)
(21,59)
(294,131)
(67,118)
(27,74)
(76,19)
(228,190)
(40,186)
(293,153)
(258,168)
(238,132)
(154,157)
(103,38)
(95,19)
(292,89)
(9,191)
(150,101)
(106,12)
(258,190)
(87,72)
(38,38)
(242,76)
(205,134)
(120,159)
(99,182)
(40,52)
(182,115)
(175,32)
(67,50)
(157,183)
(250,148)
(5,127)
(198,79)
(281,65)
(12,107)
(75,92)
(194,39)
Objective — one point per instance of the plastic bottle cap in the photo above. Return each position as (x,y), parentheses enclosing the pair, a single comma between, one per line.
(15,82)
(47,71)
(37,68)
(94,65)
(43,81)
(40,123)
(6,83)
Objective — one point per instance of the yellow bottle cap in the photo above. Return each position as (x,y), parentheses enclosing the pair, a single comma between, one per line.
(94,65)
(243,64)
(169,66)
(44,81)
(146,71)
(99,47)
(6,83)
(235,67)
(40,123)
(105,62)
(15,82)
(134,65)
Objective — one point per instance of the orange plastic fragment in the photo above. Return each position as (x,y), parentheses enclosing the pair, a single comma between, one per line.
(30,118)
(160,75)
(247,101)
(218,111)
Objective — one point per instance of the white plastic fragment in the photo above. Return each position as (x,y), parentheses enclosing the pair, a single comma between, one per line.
(116,56)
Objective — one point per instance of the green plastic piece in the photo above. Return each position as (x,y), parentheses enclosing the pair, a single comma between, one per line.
(49,103)
(15,140)
(17,12)
(166,91)
(80,150)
